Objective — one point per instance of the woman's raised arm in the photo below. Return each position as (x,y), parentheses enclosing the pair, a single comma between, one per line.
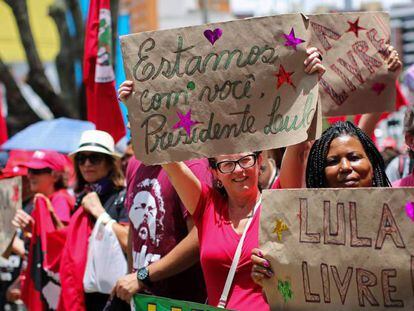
(185,183)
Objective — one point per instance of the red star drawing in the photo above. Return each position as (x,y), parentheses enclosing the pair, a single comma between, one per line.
(284,77)
(185,122)
(378,87)
(354,27)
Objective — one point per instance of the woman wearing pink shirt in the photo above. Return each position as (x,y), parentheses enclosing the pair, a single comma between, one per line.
(222,214)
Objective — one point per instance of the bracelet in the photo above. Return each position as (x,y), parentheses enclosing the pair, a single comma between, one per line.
(104,218)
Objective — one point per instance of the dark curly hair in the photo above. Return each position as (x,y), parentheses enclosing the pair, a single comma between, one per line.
(315,169)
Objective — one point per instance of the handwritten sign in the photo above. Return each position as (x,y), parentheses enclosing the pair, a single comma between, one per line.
(339,249)
(220,88)
(153,303)
(10,201)
(353,47)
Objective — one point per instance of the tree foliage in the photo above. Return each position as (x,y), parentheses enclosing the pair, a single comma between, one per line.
(70,102)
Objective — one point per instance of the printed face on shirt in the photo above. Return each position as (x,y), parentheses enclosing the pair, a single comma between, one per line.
(347,164)
(241,180)
(147,211)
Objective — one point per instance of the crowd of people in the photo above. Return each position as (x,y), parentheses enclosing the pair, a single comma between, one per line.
(187,230)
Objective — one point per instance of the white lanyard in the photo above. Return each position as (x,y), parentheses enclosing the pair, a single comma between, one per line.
(224,295)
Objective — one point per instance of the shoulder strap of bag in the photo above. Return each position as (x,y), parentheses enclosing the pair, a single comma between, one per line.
(224,295)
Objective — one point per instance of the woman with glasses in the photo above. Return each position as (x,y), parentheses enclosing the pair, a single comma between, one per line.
(226,214)
(221,214)
(100,191)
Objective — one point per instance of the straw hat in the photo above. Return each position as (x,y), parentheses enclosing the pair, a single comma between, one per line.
(96,141)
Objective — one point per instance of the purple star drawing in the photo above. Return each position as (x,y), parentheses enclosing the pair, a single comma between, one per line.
(378,87)
(291,40)
(409,209)
(185,122)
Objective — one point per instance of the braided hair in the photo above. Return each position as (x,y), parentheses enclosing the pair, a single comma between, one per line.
(315,169)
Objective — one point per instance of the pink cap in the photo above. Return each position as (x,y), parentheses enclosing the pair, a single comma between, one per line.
(14,164)
(46,159)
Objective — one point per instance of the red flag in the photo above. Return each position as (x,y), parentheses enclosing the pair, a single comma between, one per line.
(73,262)
(98,74)
(3,125)
(41,288)
(333,120)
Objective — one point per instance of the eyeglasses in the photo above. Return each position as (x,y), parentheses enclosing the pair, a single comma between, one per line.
(39,171)
(227,166)
(94,158)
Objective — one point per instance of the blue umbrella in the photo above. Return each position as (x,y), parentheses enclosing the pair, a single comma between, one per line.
(60,134)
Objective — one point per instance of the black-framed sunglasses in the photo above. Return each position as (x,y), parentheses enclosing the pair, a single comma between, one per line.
(40,171)
(94,158)
(228,166)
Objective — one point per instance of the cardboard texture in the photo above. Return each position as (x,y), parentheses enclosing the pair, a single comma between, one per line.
(240,86)
(339,249)
(219,88)
(353,48)
(10,201)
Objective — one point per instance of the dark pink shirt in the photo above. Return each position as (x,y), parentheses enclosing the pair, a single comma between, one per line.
(218,243)
(407,181)
(63,204)
(158,222)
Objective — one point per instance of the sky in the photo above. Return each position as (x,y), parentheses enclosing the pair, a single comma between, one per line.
(264,7)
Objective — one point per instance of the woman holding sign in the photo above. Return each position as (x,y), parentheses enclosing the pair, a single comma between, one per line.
(343,157)
(227,217)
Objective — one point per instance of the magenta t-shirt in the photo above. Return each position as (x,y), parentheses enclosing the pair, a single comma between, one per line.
(407,181)
(218,243)
(63,204)
(158,223)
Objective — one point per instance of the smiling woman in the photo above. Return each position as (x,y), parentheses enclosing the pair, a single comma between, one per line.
(345,156)
(347,164)
(226,216)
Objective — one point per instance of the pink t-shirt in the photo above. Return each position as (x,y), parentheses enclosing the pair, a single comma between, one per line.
(276,184)
(407,181)
(63,204)
(218,243)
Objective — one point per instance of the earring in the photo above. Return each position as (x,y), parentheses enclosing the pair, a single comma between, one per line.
(219,184)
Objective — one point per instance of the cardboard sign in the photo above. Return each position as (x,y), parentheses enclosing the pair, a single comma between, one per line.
(220,88)
(353,47)
(154,303)
(339,249)
(10,201)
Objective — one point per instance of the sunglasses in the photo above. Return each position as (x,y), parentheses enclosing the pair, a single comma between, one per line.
(228,166)
(40,171)
(94,158)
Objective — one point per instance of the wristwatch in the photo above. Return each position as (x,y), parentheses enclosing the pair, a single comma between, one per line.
(144,277)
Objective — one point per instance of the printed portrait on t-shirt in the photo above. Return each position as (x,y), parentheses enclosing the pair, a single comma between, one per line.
(147,211)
